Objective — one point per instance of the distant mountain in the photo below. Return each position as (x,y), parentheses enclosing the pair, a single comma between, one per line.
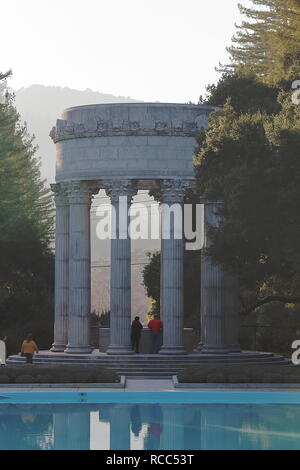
(40,106)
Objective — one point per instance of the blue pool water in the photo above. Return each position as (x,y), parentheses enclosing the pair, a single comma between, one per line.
(154,421)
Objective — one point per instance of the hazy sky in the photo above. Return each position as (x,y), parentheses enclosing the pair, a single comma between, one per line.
(153,50)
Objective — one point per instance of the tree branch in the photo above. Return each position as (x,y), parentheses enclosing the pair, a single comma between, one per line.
(270,298)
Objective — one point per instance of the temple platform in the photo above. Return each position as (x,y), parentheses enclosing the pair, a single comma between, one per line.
(150,365)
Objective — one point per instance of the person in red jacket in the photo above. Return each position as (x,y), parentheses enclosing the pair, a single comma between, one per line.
(156,326)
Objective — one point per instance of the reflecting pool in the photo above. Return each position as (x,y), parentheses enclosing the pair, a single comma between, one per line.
(152,426)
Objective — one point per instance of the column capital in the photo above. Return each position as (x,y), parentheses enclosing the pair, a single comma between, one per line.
(60,194)
(81,192)
(173,191)
(117,188)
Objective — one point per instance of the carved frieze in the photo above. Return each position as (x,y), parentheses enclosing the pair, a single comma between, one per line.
(98,127)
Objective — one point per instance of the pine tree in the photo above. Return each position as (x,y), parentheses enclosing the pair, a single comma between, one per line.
(26,226)
(25,202)
(268,42)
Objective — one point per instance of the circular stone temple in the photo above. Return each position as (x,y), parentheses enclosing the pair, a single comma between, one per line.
(120,148)
(123,148)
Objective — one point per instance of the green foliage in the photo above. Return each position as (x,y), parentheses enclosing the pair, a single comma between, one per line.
(26,224)
(268,41)
(249,157)
(151,277)
(246,93)
(263,330)
(251,162)
(25,202)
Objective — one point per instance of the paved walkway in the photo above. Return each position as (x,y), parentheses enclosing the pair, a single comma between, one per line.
(132,385)
(149,385)
(155,385)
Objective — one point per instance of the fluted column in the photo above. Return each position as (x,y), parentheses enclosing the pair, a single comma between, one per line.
(219,316)
(172,250)
(61,268)
(80,197)
(120,193)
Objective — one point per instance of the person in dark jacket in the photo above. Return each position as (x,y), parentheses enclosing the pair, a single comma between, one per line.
(136,330)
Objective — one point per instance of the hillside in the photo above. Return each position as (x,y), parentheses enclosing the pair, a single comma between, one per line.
(40,106)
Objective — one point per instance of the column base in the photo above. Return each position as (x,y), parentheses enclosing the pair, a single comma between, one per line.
(172,350)
(119,350)
(58,347)
(85,349)
(214,349)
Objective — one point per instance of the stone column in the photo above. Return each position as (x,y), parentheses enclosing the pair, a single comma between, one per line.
(120,193)
(172,250)
(80,197)
(61,268)
(219,317)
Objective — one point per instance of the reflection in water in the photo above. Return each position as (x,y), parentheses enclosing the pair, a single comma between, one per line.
(28,418)
(135,418)
(25,429)
(154,428)
(149,426)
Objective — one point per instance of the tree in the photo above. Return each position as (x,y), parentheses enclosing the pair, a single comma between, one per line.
(250,161)
(268,41)
(151,279)
(247,93)
(26,227)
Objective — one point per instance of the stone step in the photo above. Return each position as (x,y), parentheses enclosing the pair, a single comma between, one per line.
(146,359)
(112,364)
(151,365)
(146,365)
(134,366)
(154,357)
